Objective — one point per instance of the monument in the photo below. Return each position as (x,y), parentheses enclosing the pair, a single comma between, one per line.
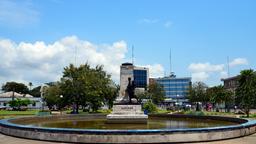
(126,108)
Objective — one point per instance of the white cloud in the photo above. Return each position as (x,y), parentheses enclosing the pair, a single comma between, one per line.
(148,21)
(238,61)
(223,74)
(17,13)
(168,24)
(205,67)
(200,76)
(40,62)
(202,71)
(155,70)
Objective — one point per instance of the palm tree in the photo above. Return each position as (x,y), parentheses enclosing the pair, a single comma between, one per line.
(30,85)
(246,91)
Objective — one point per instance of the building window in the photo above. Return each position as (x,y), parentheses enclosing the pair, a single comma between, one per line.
(140,78)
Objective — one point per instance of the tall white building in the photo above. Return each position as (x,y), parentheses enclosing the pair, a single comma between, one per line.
(140,76)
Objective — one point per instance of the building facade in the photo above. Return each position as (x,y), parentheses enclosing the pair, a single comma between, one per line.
(176,89)
(6,97)
(231,83)
(140,76)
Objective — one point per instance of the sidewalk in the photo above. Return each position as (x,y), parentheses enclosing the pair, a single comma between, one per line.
(13,140)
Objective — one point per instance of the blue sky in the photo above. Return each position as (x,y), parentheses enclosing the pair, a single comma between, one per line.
(38,38)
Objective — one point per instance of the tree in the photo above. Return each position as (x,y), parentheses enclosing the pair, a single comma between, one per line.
(150,107)
(156,93)
(218,95)
(53,98)
(86,86)
(142,95)
(18,103)
(30,85)
(246,90)
(111,94)
(16,87)
(35,91)
(197,93)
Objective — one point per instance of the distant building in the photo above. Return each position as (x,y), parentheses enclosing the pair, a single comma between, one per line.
(140,76)
(9,96)
(152,81)
(176,89)
(231,83)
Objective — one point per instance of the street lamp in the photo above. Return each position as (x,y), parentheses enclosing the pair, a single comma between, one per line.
(177,100)
(61,96)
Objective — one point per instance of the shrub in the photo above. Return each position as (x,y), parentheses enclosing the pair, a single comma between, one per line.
(150,107)
(19,104)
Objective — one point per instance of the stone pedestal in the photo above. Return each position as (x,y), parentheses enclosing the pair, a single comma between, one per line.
(123,113)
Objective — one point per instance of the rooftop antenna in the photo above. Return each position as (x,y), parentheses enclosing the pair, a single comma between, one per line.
(170,61)
(228,66)
(132,54)
(75,55)
(171,72)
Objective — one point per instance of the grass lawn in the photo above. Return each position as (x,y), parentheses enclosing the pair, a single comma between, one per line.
(9,113)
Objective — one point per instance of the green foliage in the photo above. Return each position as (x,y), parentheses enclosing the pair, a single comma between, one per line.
(18,103)
(16,87)
(142,95)
(14,113)
(105,111)
(156,93)
(218,95)
(197,113)
(150,107)
(246,91)
(162,111)
(197,93)
(53,98)
(30,85)
(87,86)
(35,91)
(111,94)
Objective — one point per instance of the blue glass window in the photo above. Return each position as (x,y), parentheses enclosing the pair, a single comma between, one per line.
(140,78)
(175,88)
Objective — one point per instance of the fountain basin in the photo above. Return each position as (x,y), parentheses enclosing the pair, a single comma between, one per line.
(239,128)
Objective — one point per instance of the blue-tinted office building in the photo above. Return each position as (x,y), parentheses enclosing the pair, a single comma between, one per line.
(140,77)
(176,89)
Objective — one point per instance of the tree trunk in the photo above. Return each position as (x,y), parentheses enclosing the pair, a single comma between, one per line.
(247,112)
(77,107)
(197,106)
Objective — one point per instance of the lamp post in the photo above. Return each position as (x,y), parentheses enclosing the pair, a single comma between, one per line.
(177,100)
(61,96)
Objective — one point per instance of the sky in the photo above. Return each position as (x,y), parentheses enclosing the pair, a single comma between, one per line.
(39,38)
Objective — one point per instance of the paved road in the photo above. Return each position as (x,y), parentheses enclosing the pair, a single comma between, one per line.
(13,140)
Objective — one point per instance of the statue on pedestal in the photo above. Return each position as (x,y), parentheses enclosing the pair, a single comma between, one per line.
(130,90)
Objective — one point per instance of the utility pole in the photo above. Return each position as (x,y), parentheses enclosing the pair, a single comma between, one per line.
(228,66)
(132,54)
(170,61)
